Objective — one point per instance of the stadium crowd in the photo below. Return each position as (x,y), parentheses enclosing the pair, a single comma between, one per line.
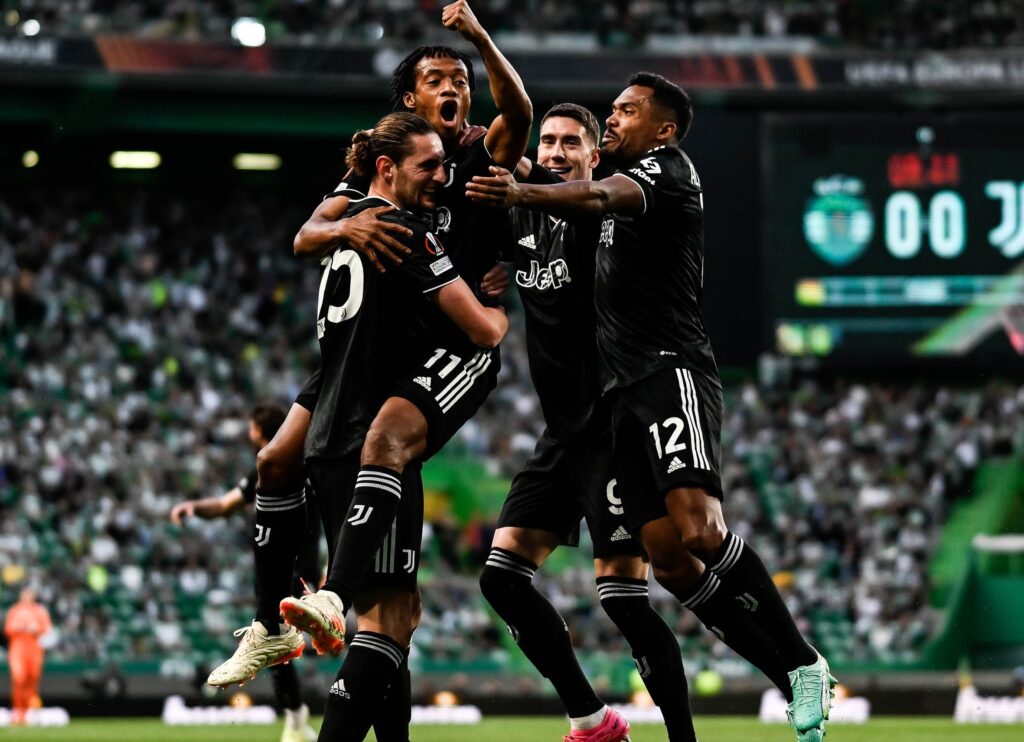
(904,24)
(137,333)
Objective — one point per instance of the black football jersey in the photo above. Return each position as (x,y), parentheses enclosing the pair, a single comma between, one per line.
(554,272)
(472,234)
(650,275)
(373,327)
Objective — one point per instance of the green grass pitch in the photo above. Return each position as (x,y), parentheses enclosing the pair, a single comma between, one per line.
(535,729)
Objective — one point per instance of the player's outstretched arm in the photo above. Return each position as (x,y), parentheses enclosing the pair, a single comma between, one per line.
(366,232)
(615,194)
(509,133)
(209,507)
(485,326)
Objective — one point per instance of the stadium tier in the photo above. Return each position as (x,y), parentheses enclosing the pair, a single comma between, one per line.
(905,24)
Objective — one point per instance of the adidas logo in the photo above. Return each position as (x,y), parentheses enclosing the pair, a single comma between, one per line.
(675,465)
(620,534)
(528,241)
(338,689)
(423,381)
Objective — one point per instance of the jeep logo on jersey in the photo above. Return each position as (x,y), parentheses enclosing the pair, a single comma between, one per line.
(433,246)
(442,219)
(607,232)
(551,277)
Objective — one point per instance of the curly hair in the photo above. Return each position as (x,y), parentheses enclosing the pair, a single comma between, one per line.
(403,80)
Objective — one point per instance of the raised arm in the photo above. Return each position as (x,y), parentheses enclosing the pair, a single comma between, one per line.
(509,133)
(615,194)
(325,230)
(485,326)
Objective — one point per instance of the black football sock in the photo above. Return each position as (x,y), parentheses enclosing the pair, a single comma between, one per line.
(725,618)
(308,568)
(356,696)
(507,583)
(655,651)
(280,527)
(392,721)
(375,502)
(746,580)
(286,686)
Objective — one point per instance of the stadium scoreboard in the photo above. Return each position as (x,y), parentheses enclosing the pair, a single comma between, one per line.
(894,237)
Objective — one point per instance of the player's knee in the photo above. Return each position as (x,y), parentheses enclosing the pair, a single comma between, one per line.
(417,610)
(392,447)
(703,538)
(403,635)
(275,470)
(673,566)
(677,579)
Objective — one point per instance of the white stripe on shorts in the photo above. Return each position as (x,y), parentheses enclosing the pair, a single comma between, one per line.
(689,405)
(472,373)
(459,379)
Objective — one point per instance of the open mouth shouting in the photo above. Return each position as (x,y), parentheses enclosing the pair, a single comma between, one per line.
(449,112)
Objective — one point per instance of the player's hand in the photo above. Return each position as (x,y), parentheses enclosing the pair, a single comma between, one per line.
(371,236)
(460,17)
(470,134)
(183,510)
(495,281)
(499,190)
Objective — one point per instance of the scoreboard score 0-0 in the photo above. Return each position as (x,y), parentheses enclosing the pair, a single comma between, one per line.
(895,237)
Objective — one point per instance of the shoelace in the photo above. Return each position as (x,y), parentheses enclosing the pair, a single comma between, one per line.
(306,589)
(244,631)
(807,682)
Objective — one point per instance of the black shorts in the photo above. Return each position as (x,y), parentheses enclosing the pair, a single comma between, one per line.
(566,480)
(448,388)
(397,562)
(667,431)
(310,392)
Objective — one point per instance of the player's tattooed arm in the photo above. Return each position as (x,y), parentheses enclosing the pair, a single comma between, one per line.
(509,133)
(366,232)
(616,194)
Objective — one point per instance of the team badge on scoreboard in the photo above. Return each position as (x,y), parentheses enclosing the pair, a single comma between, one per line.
(838,221)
